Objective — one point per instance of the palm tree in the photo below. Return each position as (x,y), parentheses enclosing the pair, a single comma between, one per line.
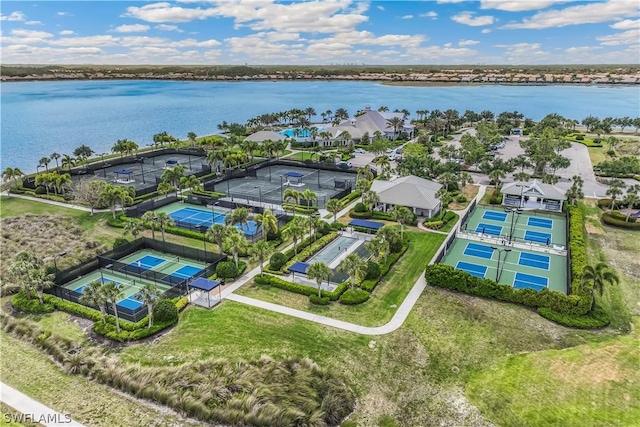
(93,295)
(376,247)
(464,178)
(151,221)
(111,196)
(164,220)
(173,175)
(191,182)
(55,156)
(238,216)
(309,196)
(216,233)
(334,207)
(371,199)
(443,195)
(61,181)
(389,235)
(446,179)
(68,161)
(191,136)
(12,175)
(134,227)
(165,187)
(363,185)
(295,230)
(261,251)
(149,294)
(21,268)
(615,189)
(364,172)
(395,123)
(45,162)
(292,195)
(113,293)
(599,276)
(521,176)
(403,216)
(496,175)
(385,165)
(630,199)
(268,221)
(235,242)
(354,266)
(249,147)
(319,271)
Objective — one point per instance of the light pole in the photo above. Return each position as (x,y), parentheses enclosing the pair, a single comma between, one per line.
(104,166)
(281,185)
(152,152)
(515,212)
(498,271)
(213,211)
(259,195)
(521,186)
(108,266)
(55,264)
(141,161)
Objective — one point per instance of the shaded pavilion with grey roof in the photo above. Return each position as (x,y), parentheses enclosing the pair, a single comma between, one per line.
(533,195)
(416,193)
(265,135)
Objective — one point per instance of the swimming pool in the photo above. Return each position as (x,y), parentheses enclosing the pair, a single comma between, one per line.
(333,250)
(302,133)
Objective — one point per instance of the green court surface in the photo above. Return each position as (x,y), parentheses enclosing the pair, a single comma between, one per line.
(131,281)
(539,268)
(529,227)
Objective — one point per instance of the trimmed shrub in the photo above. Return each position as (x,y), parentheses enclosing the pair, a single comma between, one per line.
(266,279)
(383,216)
(461,199)
(579,137)
(226,269)
(277,261)
(360,215)
(434,225)
(120,241)
(350,198)
(577,246)
(358,296)
(315,299)
(20,302)
(303,209)
(373,270)
(615,221)
(40,190)
(165,311)
(595,319)
(361,207)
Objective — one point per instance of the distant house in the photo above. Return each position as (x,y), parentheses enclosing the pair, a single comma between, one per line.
(533,195)
(416,193)
(265,135)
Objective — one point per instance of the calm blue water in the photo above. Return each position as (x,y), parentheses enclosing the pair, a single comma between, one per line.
(39,118)
(301,132)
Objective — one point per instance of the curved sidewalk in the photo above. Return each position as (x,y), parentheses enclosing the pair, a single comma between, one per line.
(33,410)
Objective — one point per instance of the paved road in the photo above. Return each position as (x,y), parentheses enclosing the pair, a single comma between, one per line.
(35,410)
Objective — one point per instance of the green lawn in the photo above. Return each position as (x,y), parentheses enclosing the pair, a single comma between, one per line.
(58,322)
(597,155)
(387,296)
(303,155)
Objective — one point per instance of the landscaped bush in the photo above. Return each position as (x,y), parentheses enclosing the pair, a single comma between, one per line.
(184,232)
(212,194)
(373,270)
(461,198)
(359,215)
(165,310)
(119,241)
(277,261)
(303,209)
(40,190)
(579,137)
(350,198)
(434,225)
(20,302)
(226,269)
(496,197)
(370,284)
(277,282)
(625,166)
(577,246)
(595,319)
(361,207)
(357,296)
(616,221)
(382,216)
(315,299)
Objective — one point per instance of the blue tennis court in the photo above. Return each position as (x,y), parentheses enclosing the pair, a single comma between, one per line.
(480,251)
(473,269)
(186,272)
(538,237)
(194,218)
(148,262)
(534,260)
(130,303)
(495,216)
(494,230)
(536,283)
(540,222)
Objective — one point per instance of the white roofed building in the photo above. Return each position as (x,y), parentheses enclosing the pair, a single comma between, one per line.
(418,194)
(533,195)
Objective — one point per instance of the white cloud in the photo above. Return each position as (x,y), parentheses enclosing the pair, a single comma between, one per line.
(66,32)
(431,14)
(380,8)
(631,37)
(627,24)
(15,16)
(64,14)
(486,31)
(104,40)
(132,28)
(468,18)
(450,1)
(519,5)
(18,32)
(434,54)
(165,12)
(592,13)
(407,17)
(33,23)
(165,27)
(463,43)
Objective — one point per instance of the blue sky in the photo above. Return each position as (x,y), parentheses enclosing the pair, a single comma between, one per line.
(321,32)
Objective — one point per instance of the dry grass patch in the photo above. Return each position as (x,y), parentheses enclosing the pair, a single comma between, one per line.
(469,192)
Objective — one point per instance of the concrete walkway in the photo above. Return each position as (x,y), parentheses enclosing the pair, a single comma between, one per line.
(34,411)
(53,202)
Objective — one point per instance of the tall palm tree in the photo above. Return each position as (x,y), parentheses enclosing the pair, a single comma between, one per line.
(615,189)
(150,220)
(114,293)
(68,161)
(630,199)
(443,195)
(385,165)
(261,251)
(40,280)
(125,196)
(11,175)
(61,181)
(309,196)
(446,179)
(238,216)
(496,175)
(319,271)
(370,198)
(464,178)
(249,147)
(217,233)
(45,162)
(111,196)
(334,207)
(93,295)
(364,172)
(521,176)
(44,179)
(396,123)
(597,278)
(165,187)
(235,242)
(403,216)
(134,227)
(376,247)
(292,195)
(355,267)
(149,294)
(295,230)
(191,136)
(268,221)
(55,156)
(191,182)
(173,175)
(164,220)
(21,268)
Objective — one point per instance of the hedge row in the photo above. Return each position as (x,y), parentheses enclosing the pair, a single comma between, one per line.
(315,299)
(613,221)
(606,204)
(266,279)
(381,216)
(310,250)
(439,223)
(446,276)
(302,209)
(595,319)
(346,200)
(212,194)
(370,284)
(358,296)
(577,246)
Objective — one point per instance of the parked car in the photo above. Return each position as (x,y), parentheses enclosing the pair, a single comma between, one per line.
(359,151)
(345,165)
(389,150)
(399,151)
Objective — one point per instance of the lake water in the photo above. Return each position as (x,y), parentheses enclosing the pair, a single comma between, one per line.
(39,118)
